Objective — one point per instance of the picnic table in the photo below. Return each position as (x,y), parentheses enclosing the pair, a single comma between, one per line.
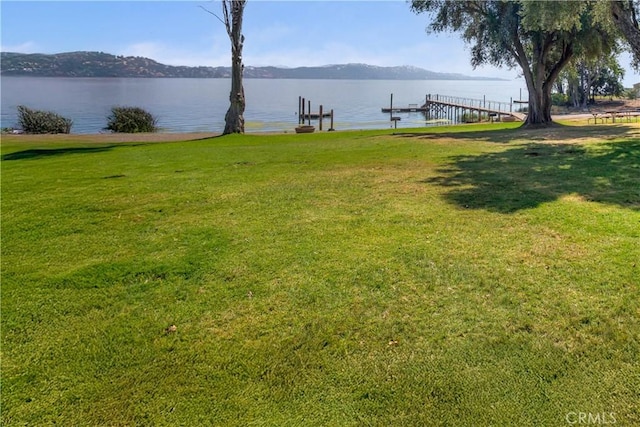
(604,116)
(630,114)
(597,115)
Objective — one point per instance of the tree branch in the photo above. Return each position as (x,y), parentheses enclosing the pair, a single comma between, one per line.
(623,14)
(208,11)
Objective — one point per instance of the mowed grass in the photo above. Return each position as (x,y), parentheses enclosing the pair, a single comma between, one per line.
(474,275)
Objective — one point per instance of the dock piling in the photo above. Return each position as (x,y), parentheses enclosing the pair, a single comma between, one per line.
(305,115)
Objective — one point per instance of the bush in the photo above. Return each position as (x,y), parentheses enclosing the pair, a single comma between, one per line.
(473,117)
(559,99)
(631,93)
(34,121)
(131,120)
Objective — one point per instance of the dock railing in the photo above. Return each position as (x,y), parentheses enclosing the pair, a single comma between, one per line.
(471,103)
(456,109)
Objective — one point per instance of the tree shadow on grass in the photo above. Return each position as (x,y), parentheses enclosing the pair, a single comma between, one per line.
(36,153)
(555,132)
(528,175)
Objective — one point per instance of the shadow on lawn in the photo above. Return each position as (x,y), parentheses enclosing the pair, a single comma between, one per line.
(36,153)
(49,152)
(551,133)
(529,175)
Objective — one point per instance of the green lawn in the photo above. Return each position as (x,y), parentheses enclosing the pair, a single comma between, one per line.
(472,276)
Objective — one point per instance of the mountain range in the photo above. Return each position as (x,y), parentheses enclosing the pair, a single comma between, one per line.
(100,64)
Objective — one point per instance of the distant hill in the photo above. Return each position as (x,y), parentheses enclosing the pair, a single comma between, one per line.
(95,64)
(99,64)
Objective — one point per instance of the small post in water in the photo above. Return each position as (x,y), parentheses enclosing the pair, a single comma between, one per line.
(391,108)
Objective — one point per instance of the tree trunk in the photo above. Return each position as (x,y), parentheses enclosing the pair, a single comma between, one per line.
(234,119)
(575,94)
(624,17)
(539,113)
(584,85)
(540,79)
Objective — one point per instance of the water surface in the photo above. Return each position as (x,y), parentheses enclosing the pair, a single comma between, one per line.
(199,105)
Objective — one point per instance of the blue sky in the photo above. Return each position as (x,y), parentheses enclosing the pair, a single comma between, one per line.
(282,33)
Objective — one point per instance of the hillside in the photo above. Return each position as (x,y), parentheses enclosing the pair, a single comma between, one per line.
(95,64)
(99,64)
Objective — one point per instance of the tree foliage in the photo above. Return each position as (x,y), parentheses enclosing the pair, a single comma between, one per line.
(538,37)
(585,78)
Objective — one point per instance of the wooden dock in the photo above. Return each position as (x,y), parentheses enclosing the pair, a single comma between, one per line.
(453,108)
(412,108)
(314,116)
(309,115)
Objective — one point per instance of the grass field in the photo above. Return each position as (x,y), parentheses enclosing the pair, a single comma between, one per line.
(471,276)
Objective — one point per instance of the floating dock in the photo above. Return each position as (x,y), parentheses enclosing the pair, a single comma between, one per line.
(314,116)
(412,108)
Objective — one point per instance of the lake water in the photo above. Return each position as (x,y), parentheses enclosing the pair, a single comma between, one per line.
(199,105)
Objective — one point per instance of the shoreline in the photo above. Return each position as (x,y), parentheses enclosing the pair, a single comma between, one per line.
(192,136)
(152,137)
(118,137)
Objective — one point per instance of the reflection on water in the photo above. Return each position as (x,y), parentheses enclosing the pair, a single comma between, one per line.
(199,105)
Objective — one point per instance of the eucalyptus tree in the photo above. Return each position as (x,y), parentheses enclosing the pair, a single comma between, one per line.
(584,78)
(232,16)
(539,37)
(609,82)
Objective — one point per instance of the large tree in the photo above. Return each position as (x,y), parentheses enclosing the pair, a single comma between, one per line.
(232,15)
(539,37)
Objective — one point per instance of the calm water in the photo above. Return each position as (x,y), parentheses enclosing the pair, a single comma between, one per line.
(195,105)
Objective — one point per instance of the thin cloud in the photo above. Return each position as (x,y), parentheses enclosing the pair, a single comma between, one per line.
(173,55)
(271,34)
(26,47)
(305,56)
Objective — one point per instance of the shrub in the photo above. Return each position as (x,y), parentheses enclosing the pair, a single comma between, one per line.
(473,117)
(631,93)
(559,99)
(34,121)
(131,120)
